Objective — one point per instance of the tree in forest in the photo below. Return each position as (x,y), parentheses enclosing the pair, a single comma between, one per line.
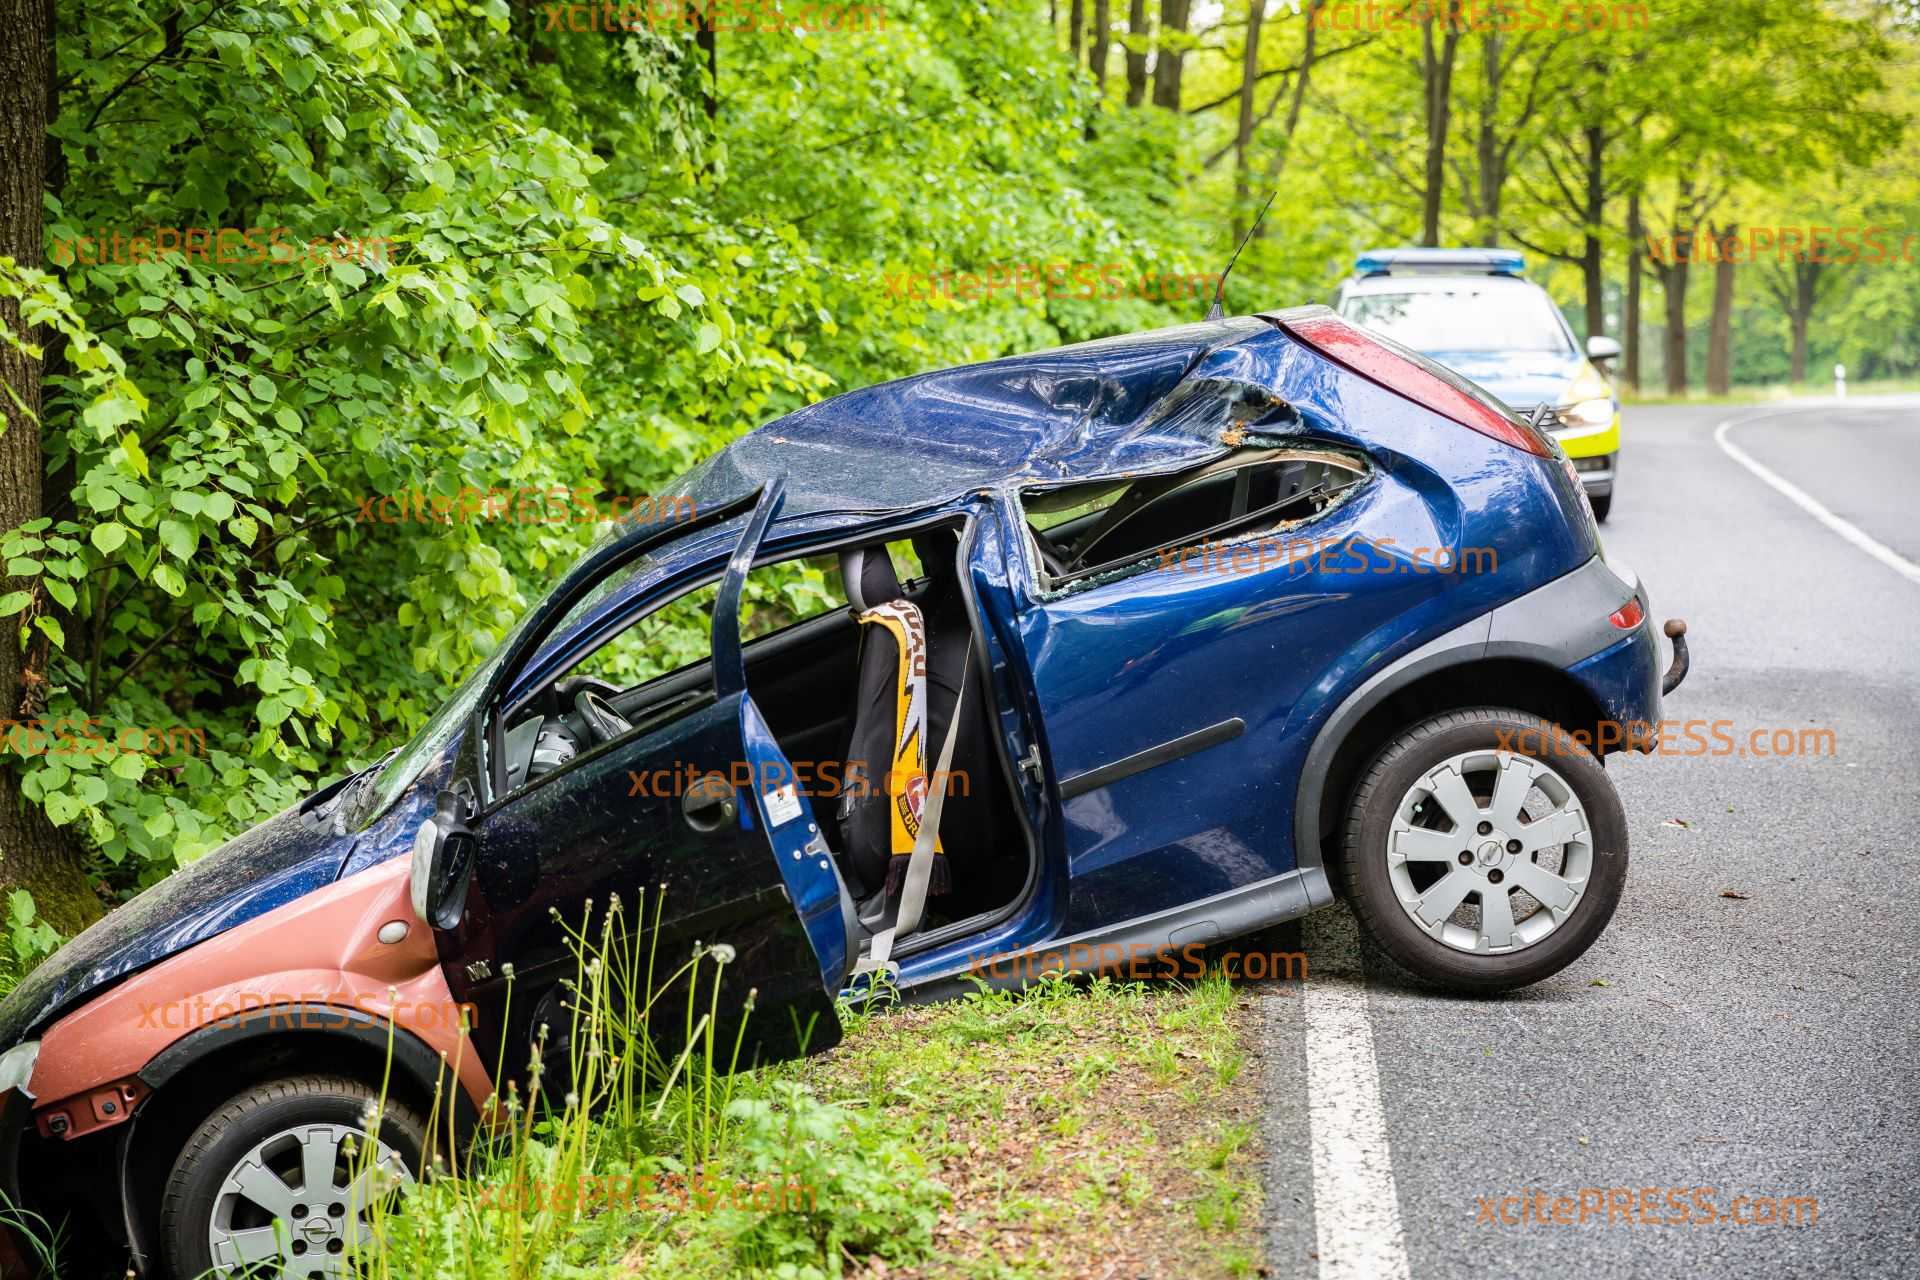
(35,854)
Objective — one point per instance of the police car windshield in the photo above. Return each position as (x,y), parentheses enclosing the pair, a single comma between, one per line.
(1468,317)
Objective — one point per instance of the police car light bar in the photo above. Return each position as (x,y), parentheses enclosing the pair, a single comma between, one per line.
(1492,262)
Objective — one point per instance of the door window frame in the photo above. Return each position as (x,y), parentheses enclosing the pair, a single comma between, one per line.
(487,729)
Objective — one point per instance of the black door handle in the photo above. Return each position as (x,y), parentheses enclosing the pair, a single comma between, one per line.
(709,804)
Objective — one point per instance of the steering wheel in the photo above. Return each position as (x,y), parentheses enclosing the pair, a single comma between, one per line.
(605,723)
(565,691)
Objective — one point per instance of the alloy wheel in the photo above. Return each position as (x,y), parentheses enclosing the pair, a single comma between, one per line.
(300,1200)
(1489,852)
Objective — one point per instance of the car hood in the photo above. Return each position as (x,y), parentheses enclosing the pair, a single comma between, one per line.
(1519,379)
(282,859)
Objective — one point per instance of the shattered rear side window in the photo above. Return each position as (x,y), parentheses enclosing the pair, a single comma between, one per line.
(1106,530)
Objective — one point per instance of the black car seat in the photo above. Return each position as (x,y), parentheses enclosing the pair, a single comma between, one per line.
(967,826)
(866,823)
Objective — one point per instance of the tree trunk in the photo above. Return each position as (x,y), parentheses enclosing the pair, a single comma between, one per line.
(1102,41)
(1077,18)
(1437,74)
(1630,358)
(1806,280)
(1137,59)
(1590,259)
(703,40)
(1243,130)
(1488,161)
(1720,328)
(1166,68)
(34,854)
(1673,283)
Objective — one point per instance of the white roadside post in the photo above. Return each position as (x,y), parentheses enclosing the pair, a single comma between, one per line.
(1840,381)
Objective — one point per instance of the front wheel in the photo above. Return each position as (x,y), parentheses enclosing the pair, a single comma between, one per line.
(1602,504)
(278,1181)
(1481,868)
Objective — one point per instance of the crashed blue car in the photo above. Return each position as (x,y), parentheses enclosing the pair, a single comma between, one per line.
(1126,649)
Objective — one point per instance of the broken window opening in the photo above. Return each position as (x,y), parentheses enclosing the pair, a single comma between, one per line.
(1085,531)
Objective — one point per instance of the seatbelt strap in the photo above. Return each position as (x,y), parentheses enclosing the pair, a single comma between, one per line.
(913,893)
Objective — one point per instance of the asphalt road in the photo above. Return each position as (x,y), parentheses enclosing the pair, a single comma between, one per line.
(1758,1045)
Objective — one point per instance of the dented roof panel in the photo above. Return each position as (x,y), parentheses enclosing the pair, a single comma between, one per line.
(1122,405)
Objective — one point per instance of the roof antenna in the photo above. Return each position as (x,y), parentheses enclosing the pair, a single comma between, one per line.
(1214,312)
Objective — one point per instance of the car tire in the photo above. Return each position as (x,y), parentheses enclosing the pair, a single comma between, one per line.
(258,1138)
(1401,837)
(1602,503)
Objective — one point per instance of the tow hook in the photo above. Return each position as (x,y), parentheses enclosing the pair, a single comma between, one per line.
(1676,630)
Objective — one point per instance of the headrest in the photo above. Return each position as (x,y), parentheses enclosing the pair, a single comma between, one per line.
(867,573)
(936,550)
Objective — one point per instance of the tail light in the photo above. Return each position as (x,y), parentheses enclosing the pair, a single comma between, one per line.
(1408,373)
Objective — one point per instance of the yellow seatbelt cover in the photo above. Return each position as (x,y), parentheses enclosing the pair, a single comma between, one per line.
(906,780)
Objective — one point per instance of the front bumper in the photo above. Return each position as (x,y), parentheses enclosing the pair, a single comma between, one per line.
(1596,474)
(1593,451)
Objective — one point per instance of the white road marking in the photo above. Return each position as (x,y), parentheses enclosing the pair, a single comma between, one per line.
(1356,1208)
(1851,532)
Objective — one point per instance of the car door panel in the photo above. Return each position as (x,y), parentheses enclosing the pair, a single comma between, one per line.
(1160,664)
(671,820)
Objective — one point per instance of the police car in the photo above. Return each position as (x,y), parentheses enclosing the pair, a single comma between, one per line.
(1472,310)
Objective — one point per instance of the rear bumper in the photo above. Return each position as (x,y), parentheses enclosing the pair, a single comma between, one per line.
(1625,677)
(1625,680)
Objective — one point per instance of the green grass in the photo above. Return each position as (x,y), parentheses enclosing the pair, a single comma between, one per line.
(1079,1126)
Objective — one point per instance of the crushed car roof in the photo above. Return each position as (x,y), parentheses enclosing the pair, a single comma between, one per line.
(1130,404)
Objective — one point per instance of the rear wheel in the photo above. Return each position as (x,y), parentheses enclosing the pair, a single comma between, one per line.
(278,1181)
(1602,503)
(1477,868)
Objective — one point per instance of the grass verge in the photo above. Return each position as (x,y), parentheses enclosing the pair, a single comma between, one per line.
(1090,1130)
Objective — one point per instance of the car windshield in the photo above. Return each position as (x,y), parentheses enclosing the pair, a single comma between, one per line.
(1489,317)
(370,796)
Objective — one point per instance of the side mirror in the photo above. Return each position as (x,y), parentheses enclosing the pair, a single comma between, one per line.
(1600,347)
(442,864)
